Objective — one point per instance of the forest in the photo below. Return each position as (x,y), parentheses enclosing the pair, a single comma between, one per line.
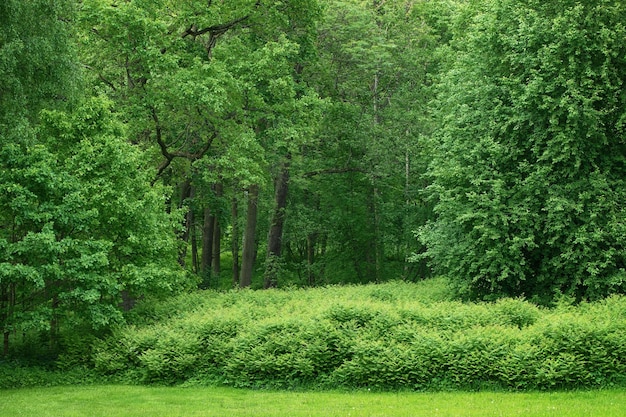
(153,149)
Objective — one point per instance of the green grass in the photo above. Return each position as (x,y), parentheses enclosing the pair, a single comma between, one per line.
(126,401)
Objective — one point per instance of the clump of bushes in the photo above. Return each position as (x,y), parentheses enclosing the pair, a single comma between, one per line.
(16,374)
(377,336)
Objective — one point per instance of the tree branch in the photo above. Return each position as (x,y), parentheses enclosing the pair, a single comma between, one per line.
(104,80)
(331,171)
(170,155)
(214,31)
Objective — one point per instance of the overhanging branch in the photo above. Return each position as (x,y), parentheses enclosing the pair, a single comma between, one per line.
(171,155)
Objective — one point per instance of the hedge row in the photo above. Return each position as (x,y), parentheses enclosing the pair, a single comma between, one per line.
(373,337)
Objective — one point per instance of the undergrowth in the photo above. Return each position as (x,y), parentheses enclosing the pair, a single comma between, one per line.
(389,336)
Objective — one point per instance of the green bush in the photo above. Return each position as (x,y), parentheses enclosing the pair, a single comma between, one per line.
(172,359)
(289,354)
(516,312)
(17,375)
(378,337)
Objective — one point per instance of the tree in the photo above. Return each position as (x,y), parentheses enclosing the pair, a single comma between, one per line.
(355,188)
(529,171)
(208,88)
(157,61)
(80,226)
(34,52)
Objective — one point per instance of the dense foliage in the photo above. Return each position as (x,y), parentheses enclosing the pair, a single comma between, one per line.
(385,336)
(530,163)
(81,228)
(146,146)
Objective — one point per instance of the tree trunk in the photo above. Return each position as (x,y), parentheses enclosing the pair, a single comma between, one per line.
(54,324)
(378,240)
(234,211)
(208,229)
(191,232)
(217,247)
(310,257)
(7,304)
(249,243)
(5,349)
(11,301)
(4,317)
(185,193)
(275,236)
(217,237)
(378,248)
(407,205)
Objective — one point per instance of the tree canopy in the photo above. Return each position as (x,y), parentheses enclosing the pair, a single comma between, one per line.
(147,145)
(529,169)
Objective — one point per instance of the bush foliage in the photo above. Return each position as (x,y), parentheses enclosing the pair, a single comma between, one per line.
(528,172)
(389,336)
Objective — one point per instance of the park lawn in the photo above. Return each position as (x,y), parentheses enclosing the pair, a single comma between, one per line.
(126,401)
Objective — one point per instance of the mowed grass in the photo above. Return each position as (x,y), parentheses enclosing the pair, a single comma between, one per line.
(126,401)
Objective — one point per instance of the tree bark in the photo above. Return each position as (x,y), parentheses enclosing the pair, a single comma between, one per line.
(185,193)
(5,349)
(217,236)
(310,257)
(191,231)
(54,323)
(234,211)
(208,230)
(249,243)
(378,239)
(407,205)
(275,235)
(7,304)
(217,247)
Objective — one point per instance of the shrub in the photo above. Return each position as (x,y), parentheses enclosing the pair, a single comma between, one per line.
(287,354)
(356,337)
(172,359)
(516,312)
(17,375)
(473,356)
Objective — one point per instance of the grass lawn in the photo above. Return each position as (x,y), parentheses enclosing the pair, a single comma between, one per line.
(123,401)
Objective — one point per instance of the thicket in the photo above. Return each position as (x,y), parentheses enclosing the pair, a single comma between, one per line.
(528,173)
(389,336)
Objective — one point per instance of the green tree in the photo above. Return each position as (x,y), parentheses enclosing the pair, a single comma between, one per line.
(214,91)
(82,229)
(356,191)
(529,170)
(36,62)
(35,71)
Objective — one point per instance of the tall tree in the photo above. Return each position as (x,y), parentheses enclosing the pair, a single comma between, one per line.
(249,238)
(158,61)
(353,195)
(529,173)
(80,226)
(36,67)
(206,86)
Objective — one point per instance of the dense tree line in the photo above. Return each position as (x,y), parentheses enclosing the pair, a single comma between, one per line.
(149,147)
(529,174)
